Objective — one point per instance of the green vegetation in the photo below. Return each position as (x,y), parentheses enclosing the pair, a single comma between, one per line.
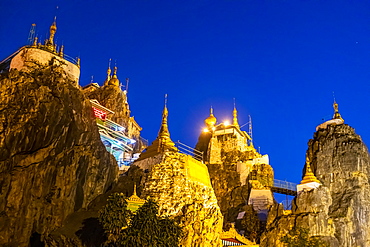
(299,237)
(114,217)
(144,228)
(251,225)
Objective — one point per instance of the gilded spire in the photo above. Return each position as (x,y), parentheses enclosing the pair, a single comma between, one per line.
(109,71)
(336,111)
(134,193)
(115,72)
(309,177)
(114,80)
(235,116)
(163,141)
(61,51)
(163,131)
(53,29)
(211,120)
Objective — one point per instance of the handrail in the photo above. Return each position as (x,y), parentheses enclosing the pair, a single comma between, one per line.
(185,149)
(285,185)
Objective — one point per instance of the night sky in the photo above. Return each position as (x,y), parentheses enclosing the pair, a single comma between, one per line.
(280,59)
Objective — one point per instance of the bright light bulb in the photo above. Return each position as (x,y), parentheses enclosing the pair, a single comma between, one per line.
(226,123)
(205,130)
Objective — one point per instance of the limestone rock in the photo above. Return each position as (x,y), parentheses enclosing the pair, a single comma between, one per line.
(182,188)
(339,210)
(52,162)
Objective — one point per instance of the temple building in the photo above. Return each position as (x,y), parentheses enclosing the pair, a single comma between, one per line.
(114,100)
(113,136)
(231,159)
(29,57)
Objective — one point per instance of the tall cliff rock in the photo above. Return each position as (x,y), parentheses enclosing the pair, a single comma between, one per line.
(339,210)
(52,162)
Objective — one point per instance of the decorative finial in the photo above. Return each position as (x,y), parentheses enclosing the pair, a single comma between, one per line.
(134,193)
(53,29)
(164,134)
(336,111)
(115,72)
(109,71)
(61,51)
(235,116)
(35,42)
(211,120)
(163,141)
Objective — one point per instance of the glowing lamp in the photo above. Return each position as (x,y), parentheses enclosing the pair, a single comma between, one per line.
(205,130)
(226,123)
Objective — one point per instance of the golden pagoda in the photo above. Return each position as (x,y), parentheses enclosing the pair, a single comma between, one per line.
(163,141)
(309,177)
(309,181)
(235,117)
(109,71)
(336,111)
(211,120)
(114,80)
(134,202)
(49,43)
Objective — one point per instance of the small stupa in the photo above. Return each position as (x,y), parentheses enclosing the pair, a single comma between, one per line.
(309,181)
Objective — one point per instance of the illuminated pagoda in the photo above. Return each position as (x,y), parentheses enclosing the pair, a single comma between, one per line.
(309,181)
(113,135)
(225,131)
(134,202)
(30,56)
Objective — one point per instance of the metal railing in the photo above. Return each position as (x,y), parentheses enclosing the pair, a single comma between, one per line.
(145,142)
(285,185)
(196,154)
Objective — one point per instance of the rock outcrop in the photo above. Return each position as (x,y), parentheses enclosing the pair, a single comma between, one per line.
(52,162)
(338,211)
(113,98)
(182,188)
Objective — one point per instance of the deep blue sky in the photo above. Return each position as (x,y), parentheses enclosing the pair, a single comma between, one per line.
(280,59)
